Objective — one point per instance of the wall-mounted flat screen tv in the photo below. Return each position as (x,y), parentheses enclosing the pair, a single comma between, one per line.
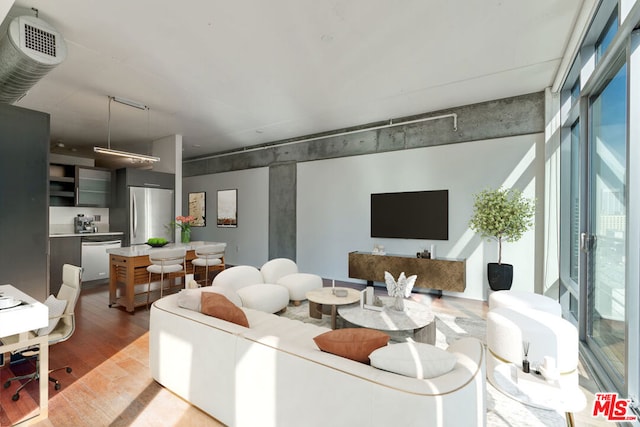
(411,215)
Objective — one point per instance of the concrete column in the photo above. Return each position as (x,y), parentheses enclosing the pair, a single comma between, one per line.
(282,211)
(169,149)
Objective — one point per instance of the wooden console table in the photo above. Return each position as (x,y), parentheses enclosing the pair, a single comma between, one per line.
(439,274)
(128,267)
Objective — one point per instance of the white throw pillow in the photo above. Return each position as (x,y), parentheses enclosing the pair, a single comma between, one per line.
(413,359)
(56,308)
(191,298)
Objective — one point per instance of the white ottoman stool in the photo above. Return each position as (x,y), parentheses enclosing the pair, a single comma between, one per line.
(298,284)
(521,299)
(547,334)
(264,297)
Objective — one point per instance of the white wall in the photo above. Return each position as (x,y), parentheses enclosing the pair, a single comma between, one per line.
(333,198)
(249,242)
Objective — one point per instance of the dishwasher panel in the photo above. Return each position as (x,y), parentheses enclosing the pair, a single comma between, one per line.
(95,260)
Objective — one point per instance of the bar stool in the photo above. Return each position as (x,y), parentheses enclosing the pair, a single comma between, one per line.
(209,256)
(166,261)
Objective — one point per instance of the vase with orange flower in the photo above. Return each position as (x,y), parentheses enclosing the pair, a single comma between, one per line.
(184,222)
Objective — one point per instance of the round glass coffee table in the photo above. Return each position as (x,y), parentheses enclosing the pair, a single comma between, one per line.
(415,317)
(318,298)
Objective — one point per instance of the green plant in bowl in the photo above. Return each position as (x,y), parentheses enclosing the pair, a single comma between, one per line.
(157,241)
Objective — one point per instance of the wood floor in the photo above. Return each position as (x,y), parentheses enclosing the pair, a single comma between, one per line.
(111,385)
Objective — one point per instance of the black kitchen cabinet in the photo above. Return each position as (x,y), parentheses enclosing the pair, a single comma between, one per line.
(62,185)
(131,177)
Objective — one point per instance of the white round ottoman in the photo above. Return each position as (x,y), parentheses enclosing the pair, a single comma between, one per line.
(264,297)
(547,334)
(298,284)
(521,299)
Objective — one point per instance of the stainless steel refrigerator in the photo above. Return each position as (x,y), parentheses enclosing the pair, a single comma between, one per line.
(150,212)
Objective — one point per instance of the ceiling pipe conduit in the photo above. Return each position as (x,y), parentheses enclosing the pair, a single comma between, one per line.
(28,51)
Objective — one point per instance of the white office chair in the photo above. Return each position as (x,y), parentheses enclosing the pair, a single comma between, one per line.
(209,256)
(63,326)
(166,261)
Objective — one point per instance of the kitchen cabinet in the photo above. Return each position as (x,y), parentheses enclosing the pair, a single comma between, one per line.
(62,185)
(93,187)
(71,185)
(62,250)
(132,177)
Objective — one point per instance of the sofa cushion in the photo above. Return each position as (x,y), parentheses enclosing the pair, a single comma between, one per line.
(274,269)
(191,298)
(298,284)
(264,297)
(413,359)
(352,343)
(217,305)
(238,277)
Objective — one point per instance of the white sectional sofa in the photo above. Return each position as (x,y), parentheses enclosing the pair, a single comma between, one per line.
(254,292)
(272,374)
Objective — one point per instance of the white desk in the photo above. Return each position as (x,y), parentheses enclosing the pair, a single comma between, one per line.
(15,326)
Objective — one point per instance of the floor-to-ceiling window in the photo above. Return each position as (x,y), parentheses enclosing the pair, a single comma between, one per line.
(606,226)
(598,280)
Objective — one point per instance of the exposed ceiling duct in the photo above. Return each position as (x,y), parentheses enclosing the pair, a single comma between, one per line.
(28,51)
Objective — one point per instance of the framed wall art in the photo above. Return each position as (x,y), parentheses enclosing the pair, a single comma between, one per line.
(197,208)
(227,208)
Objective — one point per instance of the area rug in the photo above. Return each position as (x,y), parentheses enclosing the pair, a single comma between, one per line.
(502,411)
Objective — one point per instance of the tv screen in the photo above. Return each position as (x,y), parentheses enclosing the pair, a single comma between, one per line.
(411,215)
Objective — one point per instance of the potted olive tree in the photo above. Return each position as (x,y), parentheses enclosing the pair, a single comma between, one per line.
(504,215)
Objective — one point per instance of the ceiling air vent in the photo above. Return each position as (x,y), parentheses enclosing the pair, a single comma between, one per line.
(28,51)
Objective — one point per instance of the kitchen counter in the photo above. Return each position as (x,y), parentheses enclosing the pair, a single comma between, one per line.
(109,233)
(128,276)
(142,250)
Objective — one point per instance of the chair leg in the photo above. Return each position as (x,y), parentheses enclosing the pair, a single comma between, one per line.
(16,395)
(30,377)
(161,282)
(56,383)
(35,376)
(148,290)
(195,268)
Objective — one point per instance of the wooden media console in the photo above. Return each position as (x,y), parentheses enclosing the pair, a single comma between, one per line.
(439,274)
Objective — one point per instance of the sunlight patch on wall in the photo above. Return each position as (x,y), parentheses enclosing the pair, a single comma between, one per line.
(552,126)
(519,170)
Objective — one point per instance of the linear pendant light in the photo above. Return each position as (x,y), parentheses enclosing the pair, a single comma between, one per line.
(119,153)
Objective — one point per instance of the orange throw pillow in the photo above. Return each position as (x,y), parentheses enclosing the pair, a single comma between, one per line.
(353,343)
(217,305)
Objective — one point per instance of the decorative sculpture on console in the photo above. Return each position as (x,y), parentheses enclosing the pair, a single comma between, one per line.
(400,289)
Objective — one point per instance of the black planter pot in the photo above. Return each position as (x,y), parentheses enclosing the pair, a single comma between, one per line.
(500,276)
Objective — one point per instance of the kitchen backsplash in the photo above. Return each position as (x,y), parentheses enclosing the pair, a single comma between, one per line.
(61,218)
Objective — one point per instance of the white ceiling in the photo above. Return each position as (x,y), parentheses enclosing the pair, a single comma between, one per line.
(229,74)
